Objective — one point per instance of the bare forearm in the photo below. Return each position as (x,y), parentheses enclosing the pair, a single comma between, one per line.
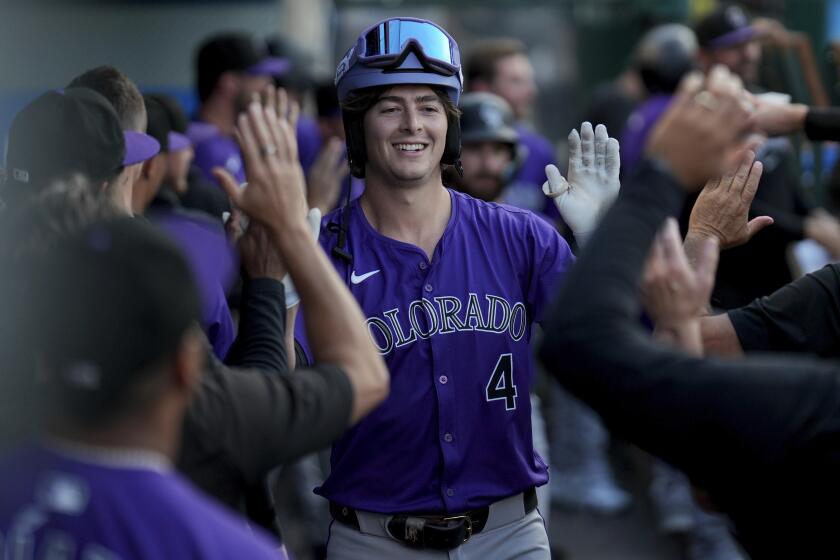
(685,336)
(719,336)
(335,326)
(289,336)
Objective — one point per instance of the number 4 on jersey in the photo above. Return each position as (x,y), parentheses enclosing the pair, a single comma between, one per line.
(500,386)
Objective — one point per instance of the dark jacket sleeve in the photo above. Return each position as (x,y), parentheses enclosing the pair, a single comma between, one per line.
(259,343)
(823,123)
(243,423)
(756,413)
(802,317)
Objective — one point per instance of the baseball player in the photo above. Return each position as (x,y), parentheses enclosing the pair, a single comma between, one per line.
(450,286)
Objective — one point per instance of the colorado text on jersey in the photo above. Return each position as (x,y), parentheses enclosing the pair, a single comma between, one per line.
(445,315)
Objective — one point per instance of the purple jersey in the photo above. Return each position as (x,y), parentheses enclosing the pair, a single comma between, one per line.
(53,505)
(214,149)
(309,142)
(525,190)
(639,125)
(455,432)
(214,265)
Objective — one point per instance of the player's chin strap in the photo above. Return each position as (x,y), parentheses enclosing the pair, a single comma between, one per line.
(459,168)
(340,250)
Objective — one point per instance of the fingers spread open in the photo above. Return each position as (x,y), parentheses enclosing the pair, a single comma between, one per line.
(574,150)
(282,103)
(587,144)
(248,145)
(601,138)
(743,172)
(228,184)
(613,160)
(294,114)
(260,126)
(751,184)
(269,100)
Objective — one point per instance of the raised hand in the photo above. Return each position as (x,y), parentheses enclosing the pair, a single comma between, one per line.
(702,129)
(675,293)
(722,209)
(275,192)
(592,179)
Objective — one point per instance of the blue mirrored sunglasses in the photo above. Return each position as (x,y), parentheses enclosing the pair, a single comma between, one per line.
(388,43)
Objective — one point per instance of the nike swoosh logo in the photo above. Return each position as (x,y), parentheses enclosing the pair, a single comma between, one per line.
(359,279)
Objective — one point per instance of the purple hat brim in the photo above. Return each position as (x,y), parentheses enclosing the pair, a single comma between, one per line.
(270,66)
(736,37)
(178,141)
(139,147)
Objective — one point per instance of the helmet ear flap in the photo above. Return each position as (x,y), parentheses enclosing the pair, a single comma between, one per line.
(452,150)
(356,150)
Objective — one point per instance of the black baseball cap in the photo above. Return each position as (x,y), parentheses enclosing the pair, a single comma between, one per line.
(74,130)
(157,126)
(125,298)
(726,26)
(177,121)
(486,117)
(237,52)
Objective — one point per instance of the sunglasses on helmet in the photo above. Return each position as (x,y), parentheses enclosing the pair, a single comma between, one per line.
(388,43)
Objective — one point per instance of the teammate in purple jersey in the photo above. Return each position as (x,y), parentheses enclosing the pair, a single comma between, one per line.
(501,66)
(450,286)
(120,357)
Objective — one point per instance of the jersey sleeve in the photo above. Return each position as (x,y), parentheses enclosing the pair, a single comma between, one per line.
(252,422)
(803,316)
(550,258)
(262,326)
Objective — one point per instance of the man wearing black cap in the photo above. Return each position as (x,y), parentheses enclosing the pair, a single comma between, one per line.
(154,171)
(241,424)
(127,102)
(230,69)
(121,356)
(726,37)
(73,131)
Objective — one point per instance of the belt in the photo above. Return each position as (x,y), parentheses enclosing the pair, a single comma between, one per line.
(439,532)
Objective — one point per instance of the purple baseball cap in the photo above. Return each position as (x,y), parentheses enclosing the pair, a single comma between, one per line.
(139,147)
(725,27)
(269,66)
(178,142)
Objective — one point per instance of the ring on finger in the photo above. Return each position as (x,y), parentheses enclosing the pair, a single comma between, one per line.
(706,100)
(268,150)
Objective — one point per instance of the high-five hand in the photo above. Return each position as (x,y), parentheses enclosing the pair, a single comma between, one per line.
(592,179)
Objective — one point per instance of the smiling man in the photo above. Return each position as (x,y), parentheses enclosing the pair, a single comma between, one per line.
(450,286)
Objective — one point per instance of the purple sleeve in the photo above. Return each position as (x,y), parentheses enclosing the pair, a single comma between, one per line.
(219,151)
(638,127)
(309,142)
(551,258)
(531,175)
(218,323)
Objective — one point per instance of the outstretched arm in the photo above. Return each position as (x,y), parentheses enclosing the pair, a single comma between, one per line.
(687,410)
(274,197)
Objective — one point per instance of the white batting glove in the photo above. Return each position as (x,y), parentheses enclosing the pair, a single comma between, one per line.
(292,297)
(593,179)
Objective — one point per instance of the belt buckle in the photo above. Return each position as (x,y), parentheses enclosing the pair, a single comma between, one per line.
(466,518)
